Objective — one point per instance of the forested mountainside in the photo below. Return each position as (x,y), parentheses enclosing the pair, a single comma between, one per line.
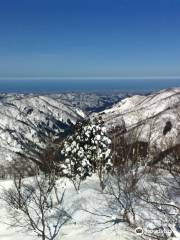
(29,121)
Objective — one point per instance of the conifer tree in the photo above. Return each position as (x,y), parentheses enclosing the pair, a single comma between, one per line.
(86,151)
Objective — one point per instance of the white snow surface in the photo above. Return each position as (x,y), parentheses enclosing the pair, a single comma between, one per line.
(84,226)
(148,114)
(92,218)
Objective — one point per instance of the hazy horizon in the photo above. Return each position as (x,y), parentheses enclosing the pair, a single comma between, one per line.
(99,85)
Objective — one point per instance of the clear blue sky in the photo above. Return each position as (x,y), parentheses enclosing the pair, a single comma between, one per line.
(89,38)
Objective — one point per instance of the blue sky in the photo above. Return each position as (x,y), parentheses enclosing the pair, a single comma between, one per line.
(89,38)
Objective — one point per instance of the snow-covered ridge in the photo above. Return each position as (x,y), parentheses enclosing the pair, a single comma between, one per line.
(26,122)
(150,114)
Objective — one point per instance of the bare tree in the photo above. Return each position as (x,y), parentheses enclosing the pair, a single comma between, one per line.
(137,187)
(34,206)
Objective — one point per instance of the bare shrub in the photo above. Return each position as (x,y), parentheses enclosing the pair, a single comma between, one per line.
(36,205)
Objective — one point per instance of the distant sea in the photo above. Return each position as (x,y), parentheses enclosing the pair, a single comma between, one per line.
(96,85)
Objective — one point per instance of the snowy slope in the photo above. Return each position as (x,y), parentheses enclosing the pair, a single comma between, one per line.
(92,216)
(149,114)
(26,122)
(84,225)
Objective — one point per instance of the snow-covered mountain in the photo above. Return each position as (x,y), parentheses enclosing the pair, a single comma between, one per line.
(154,117)
(27,122)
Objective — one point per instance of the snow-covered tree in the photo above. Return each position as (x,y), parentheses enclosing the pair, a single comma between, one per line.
(86,151)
